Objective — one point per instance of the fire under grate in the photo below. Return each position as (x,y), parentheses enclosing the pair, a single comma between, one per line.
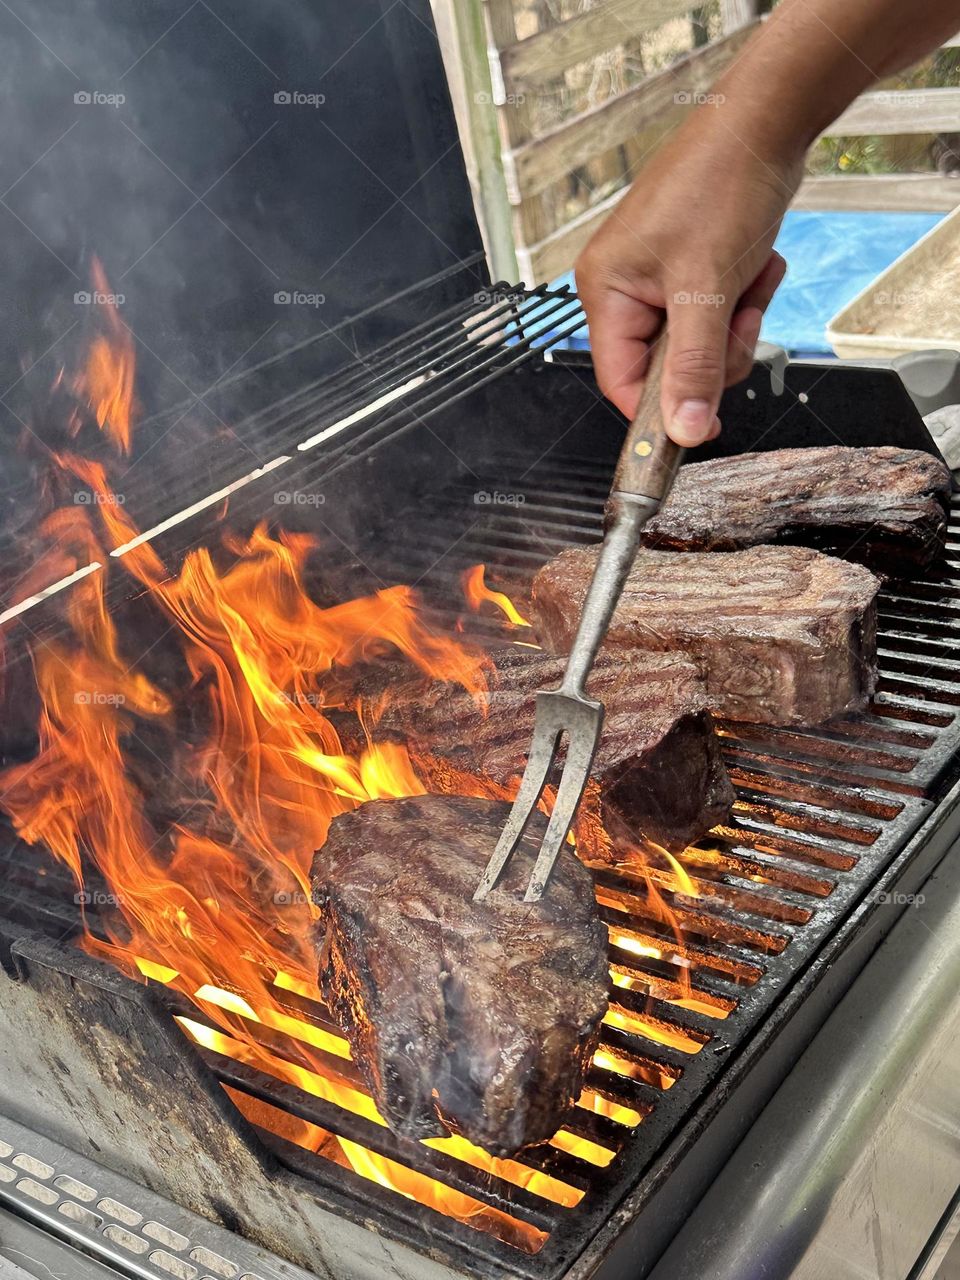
(820,815)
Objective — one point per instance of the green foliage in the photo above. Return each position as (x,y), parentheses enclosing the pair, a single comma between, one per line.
(900,153)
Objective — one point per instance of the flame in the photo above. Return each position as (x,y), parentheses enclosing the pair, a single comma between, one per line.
(654,1029)
(213,898)
(358,1102)
(684,882)
(107,381)
(478,593)
(388,1173)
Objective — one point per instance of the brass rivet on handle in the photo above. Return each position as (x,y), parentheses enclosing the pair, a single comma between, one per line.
(644,448)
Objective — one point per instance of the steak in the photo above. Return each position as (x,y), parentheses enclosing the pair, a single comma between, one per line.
(782,635)
(886,508)
(475,1017)
(658,766)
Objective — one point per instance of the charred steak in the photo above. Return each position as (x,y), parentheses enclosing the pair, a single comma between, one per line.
(659,767)
(783,635)
(884,507)
(479,1018)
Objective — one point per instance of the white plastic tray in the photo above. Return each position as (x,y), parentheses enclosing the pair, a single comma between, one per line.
(913,305)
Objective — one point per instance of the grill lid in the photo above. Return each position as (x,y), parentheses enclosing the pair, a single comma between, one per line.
(214,156)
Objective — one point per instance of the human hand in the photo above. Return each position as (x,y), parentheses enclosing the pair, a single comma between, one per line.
(692,238)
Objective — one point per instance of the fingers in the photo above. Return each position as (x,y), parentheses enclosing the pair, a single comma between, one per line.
(695,368)
(709,349)
(742,343)
(619,329)
(748,317)
(760,293)
(710,345)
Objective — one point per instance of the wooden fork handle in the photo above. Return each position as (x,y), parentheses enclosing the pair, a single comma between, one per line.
(649,459)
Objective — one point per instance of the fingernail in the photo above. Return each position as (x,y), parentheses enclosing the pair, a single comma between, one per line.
(692,422)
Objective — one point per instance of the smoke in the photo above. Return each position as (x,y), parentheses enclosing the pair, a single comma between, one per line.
(247,173)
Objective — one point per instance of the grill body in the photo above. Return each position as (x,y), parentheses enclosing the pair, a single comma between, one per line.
(477,449)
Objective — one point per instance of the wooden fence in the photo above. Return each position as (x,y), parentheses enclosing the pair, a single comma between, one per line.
(544,185)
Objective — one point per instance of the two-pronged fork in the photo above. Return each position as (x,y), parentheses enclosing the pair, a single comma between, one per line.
(645,473)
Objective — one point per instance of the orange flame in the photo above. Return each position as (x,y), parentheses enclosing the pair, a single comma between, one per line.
(213,898)
(106,383)
(477,594)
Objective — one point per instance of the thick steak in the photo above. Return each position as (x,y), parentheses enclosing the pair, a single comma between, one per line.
(659,767)
(480,1018)
(884,507)
(783,635)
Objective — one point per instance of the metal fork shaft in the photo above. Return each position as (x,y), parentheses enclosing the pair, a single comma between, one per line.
(568,711)
(646,470)
(628,516)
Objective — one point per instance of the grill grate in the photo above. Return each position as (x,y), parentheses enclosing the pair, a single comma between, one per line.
(350,413)
(820,814)
(437,361)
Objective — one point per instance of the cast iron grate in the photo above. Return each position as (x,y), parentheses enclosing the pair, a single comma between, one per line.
(434,362)
(340,419)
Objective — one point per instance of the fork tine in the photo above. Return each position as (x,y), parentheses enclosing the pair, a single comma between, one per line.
(543,749)
(581,749)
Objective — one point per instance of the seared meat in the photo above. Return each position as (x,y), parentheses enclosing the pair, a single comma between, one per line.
(884,507)
(783,635)
(658,766)
(479,1018)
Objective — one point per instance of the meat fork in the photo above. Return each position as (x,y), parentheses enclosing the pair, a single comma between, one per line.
(646,469)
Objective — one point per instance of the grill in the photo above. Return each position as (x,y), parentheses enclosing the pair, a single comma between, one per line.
(421,421)
(831,829)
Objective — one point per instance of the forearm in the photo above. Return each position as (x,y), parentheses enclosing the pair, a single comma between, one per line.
(693,238)
(813,57)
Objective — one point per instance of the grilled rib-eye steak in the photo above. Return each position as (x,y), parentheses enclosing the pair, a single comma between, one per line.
(479,1018)
(883,507)
(783,635)
(659,768)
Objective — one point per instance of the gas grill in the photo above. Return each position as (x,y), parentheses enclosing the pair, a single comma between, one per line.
(460,430)
(834,831)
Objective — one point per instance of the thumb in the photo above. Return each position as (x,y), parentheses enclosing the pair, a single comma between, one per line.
(694,371)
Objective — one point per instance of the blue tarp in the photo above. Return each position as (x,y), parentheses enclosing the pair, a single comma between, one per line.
(830,258)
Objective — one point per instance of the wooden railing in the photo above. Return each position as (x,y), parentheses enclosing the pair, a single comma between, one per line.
(521,164)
